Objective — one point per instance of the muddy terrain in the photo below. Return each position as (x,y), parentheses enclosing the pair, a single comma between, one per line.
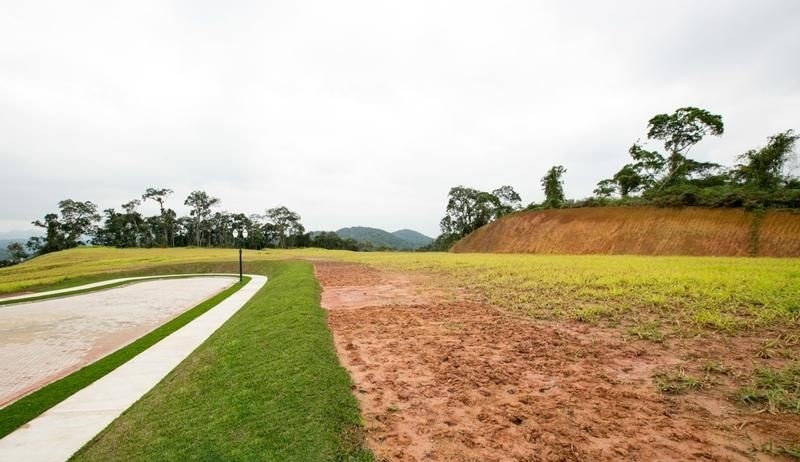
(442,376)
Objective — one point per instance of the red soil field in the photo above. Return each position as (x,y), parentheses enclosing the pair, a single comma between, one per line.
(641,231)
(441,376)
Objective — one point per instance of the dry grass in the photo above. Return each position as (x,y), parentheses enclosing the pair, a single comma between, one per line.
(654,296)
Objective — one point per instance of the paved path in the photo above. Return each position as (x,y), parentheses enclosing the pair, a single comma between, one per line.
(65,428)
(43,341)
(101,284)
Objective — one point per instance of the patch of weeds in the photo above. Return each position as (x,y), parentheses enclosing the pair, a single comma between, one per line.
(647,331)
(677,382)
(792,451)
(591,313)
(713,367)
(352,446)
(790,339)
(715,320)
(774,390)
(773,449)
(778,347)
(690,356)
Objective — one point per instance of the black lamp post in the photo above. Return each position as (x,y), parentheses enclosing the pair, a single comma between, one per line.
(240,235)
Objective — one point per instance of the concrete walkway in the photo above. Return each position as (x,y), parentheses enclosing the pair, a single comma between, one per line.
(61,431)
(45,340)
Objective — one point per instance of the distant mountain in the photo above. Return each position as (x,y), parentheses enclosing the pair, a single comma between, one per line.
(413,237)
(404,239)
(20,234)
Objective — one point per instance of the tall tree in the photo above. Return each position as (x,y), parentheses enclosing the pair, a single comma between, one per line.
(76,220)
(508,199)
(16,252)
(133,223)
(764,168)
(553,186)
(110,232)
(680,131)
(53,238)
(467,210)
(283,226)
(628,179)
(169,219)
(200,203)
(160,195)
(256,238)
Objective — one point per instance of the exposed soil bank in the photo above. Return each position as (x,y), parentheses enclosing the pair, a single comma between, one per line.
(641,231)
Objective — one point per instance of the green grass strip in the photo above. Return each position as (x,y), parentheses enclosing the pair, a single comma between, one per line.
(29,407)
(265,386)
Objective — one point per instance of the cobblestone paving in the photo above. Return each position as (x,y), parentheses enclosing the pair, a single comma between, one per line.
(46,340)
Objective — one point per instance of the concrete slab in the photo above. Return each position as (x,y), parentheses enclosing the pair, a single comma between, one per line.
(43,341)
(61,431)
(101,284)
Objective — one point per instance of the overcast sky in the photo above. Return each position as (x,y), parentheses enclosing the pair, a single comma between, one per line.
(366,113)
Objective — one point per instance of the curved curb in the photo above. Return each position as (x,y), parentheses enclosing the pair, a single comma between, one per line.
(62,430)
(100,284)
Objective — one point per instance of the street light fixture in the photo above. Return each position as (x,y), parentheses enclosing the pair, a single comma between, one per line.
(239,235)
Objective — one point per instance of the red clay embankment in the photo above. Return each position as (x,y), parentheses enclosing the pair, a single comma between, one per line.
(641,231)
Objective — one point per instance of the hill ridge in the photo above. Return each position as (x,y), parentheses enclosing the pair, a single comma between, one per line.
(403,239)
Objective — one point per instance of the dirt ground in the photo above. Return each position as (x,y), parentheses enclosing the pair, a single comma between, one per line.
(442,377)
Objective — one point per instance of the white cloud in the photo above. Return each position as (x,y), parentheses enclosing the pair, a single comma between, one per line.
(366,113)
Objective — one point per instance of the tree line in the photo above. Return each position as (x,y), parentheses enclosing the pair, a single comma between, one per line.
(79,223)
(760,178)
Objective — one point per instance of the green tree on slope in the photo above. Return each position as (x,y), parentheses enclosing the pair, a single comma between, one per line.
(553,186)
(65,231)
(764,168)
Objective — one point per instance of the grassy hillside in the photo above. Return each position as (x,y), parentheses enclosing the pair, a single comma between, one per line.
(641,231)
(400,240)
(88,264)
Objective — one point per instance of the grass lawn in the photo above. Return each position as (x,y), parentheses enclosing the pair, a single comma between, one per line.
(266,386)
